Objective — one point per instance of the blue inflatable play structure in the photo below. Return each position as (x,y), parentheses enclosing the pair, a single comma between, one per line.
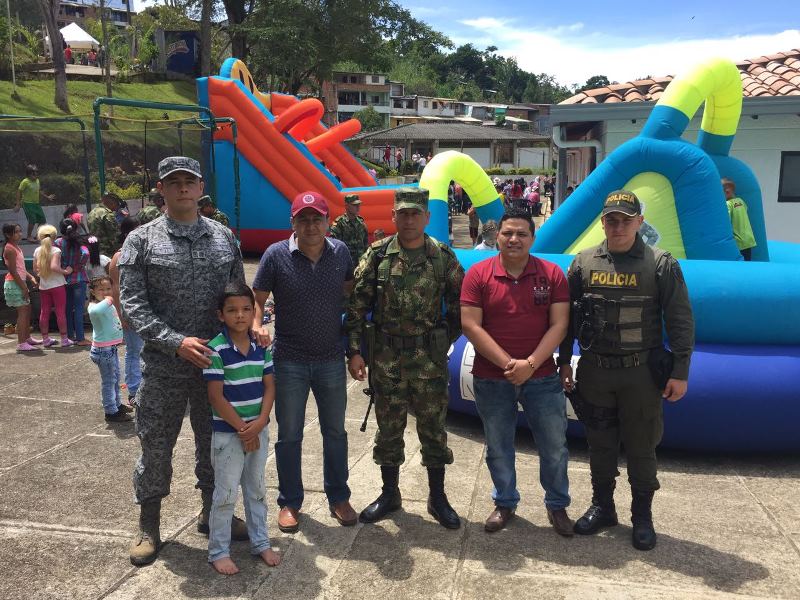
(744,393)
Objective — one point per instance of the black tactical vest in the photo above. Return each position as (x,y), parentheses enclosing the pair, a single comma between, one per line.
(620,312)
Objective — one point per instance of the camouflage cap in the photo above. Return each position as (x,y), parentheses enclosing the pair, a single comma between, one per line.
(352,199)
(411,197)
(622,201)
(171,164)
(205,201)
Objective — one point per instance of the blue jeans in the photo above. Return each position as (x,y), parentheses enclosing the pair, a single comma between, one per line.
(107,361)
(232,467)
(133,362)
(327,380)
(76,302)
(544,406)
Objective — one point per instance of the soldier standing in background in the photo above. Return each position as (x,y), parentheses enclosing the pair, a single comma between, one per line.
(351,228)
(207,209)
(102,223)
(404,280)
(154,209)
(172,273)
(621,291)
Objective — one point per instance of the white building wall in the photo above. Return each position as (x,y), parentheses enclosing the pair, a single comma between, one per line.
(759,143)
(482,156)
(535,158)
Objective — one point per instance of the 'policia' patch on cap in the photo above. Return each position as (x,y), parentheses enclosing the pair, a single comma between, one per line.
(624,202)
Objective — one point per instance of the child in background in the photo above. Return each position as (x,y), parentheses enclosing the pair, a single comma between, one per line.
(72,212)
(740,221)
(133,341)
(29,195)
(75,255)
(106,336)
(52,286)
(98,263)
(15,286)
(241,391)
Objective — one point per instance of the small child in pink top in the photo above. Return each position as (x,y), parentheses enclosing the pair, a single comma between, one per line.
(106,336)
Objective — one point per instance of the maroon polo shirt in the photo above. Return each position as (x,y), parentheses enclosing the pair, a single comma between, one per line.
(516,312)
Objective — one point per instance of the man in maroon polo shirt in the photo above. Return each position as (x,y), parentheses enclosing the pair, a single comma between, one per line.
(514,310)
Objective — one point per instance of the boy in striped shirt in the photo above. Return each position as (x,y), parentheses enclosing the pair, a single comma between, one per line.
(241,391)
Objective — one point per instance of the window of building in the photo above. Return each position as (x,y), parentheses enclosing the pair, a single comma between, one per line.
(375,99)
(353,79)
(344,78)
(349,98)
(424,104)
(435,104)
(789,186)
(376,79)
(505,152)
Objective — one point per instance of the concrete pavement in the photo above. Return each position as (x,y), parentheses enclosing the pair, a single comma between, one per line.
(728,526)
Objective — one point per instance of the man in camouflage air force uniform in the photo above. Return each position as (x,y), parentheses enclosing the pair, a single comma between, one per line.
(153,210)
(351,229)
(405,280)
(102,224)
(623,293)
(208,210)
(172,273)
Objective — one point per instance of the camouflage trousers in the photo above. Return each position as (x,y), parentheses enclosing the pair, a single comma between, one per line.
(162,407)
(428,399)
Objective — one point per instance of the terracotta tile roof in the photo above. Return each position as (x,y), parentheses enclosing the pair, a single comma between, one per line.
(773,75)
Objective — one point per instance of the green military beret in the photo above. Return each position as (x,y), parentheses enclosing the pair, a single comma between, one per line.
(411,197)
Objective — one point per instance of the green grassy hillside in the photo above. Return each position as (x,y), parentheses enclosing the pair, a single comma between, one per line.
(37,97)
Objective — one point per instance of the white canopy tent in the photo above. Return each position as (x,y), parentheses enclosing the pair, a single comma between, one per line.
(77,38)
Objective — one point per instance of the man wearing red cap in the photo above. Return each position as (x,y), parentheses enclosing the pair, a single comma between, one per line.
(308,275)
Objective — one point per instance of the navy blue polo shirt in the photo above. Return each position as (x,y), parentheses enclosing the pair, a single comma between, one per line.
(308,299)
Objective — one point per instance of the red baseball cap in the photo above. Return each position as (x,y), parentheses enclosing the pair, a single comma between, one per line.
(309,200)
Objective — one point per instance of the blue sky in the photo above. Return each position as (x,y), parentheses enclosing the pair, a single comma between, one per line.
(623,40)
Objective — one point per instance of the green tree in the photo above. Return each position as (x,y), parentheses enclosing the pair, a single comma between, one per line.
(595,81)
(371,119)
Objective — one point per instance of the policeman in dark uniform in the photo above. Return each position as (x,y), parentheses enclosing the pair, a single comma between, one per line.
(621,290)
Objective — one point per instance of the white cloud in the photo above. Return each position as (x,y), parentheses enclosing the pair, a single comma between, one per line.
(487,24)
(573,58)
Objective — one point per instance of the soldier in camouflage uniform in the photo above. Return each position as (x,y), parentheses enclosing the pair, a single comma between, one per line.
(102,223)
(153,210)
(172,273)
(404,280)
(208,210)
(351,229)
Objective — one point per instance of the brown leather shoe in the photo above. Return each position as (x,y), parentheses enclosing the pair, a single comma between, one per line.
(344,513)
(287,520)
(500,516)
(561,522)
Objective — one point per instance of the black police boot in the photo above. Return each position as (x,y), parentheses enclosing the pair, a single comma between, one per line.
(601,513)
(438,506)
(644,535)
(388,501)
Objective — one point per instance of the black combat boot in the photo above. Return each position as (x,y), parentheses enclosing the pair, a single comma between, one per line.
(388,501)
(438,506)
(644,535)
(601,513)
(145,546)
(238,527)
